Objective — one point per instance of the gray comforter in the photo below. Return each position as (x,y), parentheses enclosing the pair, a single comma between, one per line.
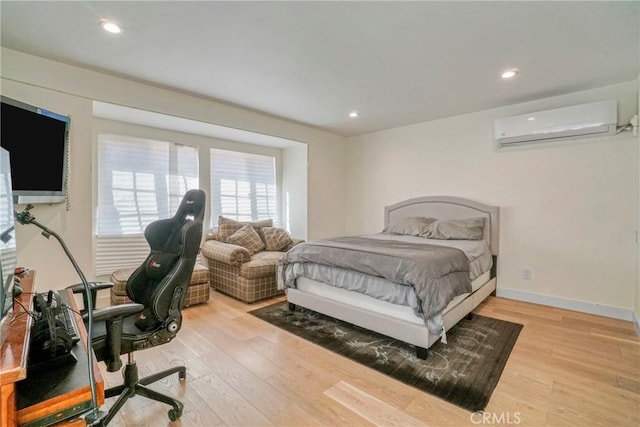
(438,274)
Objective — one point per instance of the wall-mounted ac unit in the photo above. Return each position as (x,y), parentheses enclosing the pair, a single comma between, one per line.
(592,119)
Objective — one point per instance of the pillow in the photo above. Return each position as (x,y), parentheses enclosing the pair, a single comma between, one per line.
(275,239)
(213,235)
(228,226)
(412,226)
(462,229)
(248,238)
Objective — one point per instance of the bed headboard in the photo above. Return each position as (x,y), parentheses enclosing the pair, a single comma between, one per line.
(446,207)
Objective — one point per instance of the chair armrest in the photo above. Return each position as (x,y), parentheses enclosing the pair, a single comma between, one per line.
(293,243)
(79,288)
(225,252)
(113,319)
(94,287)
(115,311)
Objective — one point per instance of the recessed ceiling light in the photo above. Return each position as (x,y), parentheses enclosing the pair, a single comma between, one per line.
(531,118)
(110,26)
(353,114)
(510,73)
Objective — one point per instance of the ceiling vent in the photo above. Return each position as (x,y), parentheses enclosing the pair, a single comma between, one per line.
(585,120)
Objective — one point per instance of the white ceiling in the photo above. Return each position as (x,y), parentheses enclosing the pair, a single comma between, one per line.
(313,62)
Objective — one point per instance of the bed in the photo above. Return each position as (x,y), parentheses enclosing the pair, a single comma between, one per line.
(355,296)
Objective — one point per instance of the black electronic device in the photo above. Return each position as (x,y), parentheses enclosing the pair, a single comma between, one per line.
(51,341)
(55,307)
(37,140)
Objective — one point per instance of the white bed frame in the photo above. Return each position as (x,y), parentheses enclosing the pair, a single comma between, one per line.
(391,319)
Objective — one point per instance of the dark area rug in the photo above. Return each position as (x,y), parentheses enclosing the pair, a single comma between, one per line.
(464,372)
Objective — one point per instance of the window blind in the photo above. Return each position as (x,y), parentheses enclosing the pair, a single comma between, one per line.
(139,181)
(243,186)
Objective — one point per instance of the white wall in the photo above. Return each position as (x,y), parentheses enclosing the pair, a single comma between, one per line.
(71,90)
(295,191)
(569,210)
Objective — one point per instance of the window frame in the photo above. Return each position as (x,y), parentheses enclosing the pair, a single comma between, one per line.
(128,248)
(271,201)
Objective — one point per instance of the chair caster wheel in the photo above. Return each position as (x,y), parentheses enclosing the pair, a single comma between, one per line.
(174,414)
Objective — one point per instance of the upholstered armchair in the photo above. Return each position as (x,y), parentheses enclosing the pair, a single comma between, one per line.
(242,258)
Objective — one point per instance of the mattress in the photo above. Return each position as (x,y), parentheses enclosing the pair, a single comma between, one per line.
(477,252)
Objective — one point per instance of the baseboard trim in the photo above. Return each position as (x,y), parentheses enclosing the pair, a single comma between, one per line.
(569,304)
(636,323)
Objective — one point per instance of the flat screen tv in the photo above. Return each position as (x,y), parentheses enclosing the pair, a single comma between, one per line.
(8,252)
(38,143)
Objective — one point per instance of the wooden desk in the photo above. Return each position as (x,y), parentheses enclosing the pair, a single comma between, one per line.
(13,358)
(51,394)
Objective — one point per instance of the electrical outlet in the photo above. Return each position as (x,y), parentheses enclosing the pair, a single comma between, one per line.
(527,273)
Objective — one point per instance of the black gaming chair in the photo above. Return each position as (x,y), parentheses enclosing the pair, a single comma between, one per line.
(157,288)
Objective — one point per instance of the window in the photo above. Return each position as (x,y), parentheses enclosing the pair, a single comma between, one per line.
(243,186)
(139,181)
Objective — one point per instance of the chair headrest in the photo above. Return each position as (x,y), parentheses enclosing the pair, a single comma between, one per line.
(192,204)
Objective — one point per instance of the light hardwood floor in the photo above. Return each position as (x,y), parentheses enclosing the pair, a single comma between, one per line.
(566,369)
